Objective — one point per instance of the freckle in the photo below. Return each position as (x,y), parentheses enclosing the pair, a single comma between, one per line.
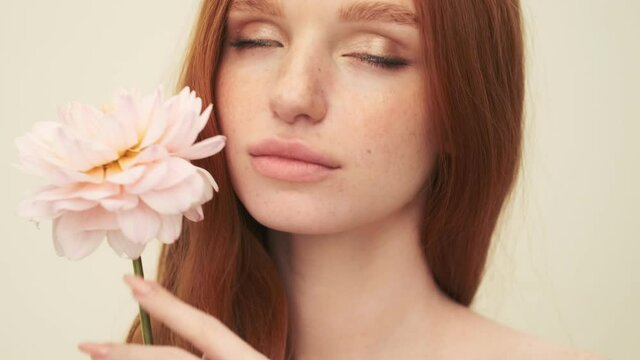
(368,151)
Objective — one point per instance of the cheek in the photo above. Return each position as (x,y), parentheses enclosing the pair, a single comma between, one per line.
(230,106)
(395,134)
(240,107)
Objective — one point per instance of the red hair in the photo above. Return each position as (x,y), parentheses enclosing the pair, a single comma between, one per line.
(475,82)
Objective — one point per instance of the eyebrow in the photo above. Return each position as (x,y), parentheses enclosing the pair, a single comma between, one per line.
(361,11)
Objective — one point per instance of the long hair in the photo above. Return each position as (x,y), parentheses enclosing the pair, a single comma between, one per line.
(474,59)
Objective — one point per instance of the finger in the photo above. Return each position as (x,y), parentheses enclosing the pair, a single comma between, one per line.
(202,330)
(112,351)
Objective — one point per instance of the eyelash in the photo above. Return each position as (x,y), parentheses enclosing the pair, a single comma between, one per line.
(385,62)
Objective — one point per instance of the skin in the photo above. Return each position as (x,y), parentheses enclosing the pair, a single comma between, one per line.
(348,246)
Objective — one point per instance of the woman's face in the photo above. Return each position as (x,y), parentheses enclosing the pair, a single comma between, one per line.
(317,75)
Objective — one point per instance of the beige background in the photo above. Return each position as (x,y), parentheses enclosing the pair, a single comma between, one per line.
(563,264)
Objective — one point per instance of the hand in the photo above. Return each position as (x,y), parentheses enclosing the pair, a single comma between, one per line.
(202,330)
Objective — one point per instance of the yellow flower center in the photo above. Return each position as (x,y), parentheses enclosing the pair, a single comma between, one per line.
(114,167)
(107,108)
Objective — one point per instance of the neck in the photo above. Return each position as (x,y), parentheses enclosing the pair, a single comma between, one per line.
(366,293)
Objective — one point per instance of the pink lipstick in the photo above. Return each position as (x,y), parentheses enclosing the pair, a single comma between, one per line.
(291,161)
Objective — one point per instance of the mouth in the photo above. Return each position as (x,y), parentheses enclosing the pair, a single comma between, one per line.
(291,161)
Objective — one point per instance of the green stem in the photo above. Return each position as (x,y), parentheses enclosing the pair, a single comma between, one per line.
(145,321)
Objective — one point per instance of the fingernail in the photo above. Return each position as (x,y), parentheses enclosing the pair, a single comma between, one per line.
(139,286)
(95,350)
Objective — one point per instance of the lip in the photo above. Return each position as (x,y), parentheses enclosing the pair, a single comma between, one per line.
(291,161)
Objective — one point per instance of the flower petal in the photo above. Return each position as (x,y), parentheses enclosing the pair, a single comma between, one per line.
(72,205)
(76,234)
(155,173)
(204,148)
(179,198)
(85,191)
(177,139)
(117,134)
(128,176)
(173,107)
(97,191)
(140,224)
(76,246)
(35,210)
(126,112)
(207,176)
(170,228)
(123,246)
(86,124)
(184,110)
(158,120)
(78,154)
(122,201)
(150,154)
(64,177)
(194,214)
(30,154)
(85,119)
(177,170)
(197,124)
(51,192)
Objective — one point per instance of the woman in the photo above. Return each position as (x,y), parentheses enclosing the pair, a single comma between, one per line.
(370,149)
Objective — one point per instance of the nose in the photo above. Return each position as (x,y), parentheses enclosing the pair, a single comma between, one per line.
(298,93)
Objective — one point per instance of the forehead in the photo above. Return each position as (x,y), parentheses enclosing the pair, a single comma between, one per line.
(398,11)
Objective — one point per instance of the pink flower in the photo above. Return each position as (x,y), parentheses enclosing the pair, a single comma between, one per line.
(121,173)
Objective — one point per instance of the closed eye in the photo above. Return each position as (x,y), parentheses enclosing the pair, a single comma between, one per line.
(253,43)
(385,62)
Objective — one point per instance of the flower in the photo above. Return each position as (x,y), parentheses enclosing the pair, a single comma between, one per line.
(122,173)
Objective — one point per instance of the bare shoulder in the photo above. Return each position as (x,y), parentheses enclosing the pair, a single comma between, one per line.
(488,339)
(526,346)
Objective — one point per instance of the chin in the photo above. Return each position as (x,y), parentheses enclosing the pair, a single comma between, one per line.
(302,220)
(292,222)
